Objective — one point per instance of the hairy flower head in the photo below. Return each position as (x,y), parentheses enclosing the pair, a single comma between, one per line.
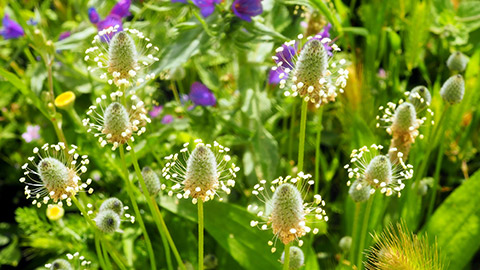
(369,167)
(54,177)
(125,59)
(420,97)
(151,181)
(457,61)
(200,174)
(107,221)
(453,89)
(285,211)
(312,74)
(113,204)
(114,123)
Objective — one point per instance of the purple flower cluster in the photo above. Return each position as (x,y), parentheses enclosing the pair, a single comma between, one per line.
(244,9)
(11,29)
(32,133)
(201,95)
(119,11)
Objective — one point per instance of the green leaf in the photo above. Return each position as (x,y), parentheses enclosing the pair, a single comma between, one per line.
(10,255)
(229,225)
(456,224)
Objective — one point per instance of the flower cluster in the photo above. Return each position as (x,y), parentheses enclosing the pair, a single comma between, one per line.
(114,123)
(74,261)
(113,19)
(200,174)
(368,167)
(285,211)
(11,29)
(56,176)
(311,72)
(126,58)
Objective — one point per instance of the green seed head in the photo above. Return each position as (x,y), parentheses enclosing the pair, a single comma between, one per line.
(359,191)
(453,89)
(123,57)
(345,243)
(404,118)
(379,171)
(56,177)
(60,264)
(310,68)
(151,181)
(420,97)
(107,221)
(113,204)
(201,179)
(117,124)
(457,61)
(287,213)
(296,258)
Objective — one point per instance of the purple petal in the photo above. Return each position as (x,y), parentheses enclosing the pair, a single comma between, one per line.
(64,35)
(274,76)
(180,1)
(246,9)
(207,7)
(167,119)
(93,15)
(156,111)
(11,29)
(121,9)
(201,95)
(109,21)
(32,133)
(207,11)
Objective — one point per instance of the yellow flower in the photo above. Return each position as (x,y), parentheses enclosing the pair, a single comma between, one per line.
(65,100)
(55,212)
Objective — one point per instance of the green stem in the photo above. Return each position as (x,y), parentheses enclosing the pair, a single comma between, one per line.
(292,131)
(107,258)
(157,216)
(436,178)
(301,144)
(135,207)
(286,257)
(354,232)
(317,150)
(175,93)
(99,252)
(200,234)
(363,234)
(75,117)
(110,249)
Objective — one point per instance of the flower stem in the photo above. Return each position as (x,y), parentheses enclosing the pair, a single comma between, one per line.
(363,234)
(200,234)
(286,260)
(354,232)
(292,131)
(157,216)
(317,149)
(107,259)
(175,93)
(301,144)
(436,177)
(99,251)
(135,208)
(104,241)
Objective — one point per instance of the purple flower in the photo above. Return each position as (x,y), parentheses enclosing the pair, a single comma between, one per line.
(109,21)
(201,95)
(121,9)
(11,29)
(93,15)
(180,1)
(167,119)
(206,6)
(246,9)
(285,57)
(64,35)
(32,133)
(184,98)
(382,74)
(156,111)
(32,21)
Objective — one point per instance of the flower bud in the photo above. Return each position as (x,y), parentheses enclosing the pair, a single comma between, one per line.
(113,204)
(61,264)
(457,61)
(453,89)
(379,171)
(123,57)
(345,243)
(65,100)
(404,118)
(117,124)
(151,181)
(296,258)
(56,177)
(201,174)
(420,97)
(359,191)
(107,221)
(287,213)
